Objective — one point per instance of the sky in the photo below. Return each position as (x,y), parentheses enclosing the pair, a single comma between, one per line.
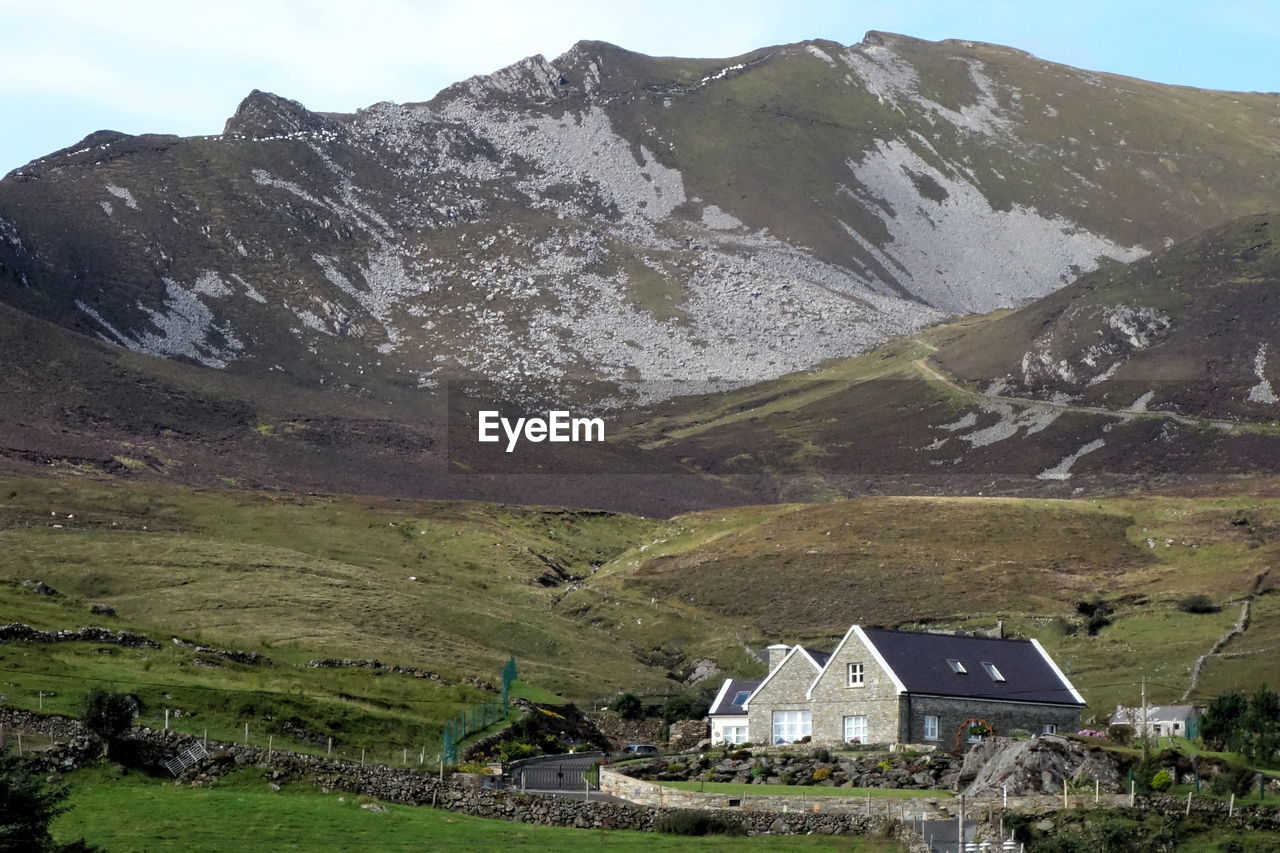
(70,67)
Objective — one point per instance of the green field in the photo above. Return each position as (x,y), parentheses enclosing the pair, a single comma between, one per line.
(134,814)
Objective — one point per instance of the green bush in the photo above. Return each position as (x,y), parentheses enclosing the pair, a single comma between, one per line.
(1120,733)
(475,767)
(1019,734)
(697,822)
(822,774)
(1198,603)
(1236,780)
(822,754)
(1161,781)
(516,750)
(628,707)
(740,755)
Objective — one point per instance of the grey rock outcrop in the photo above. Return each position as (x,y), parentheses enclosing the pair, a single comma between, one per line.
(1035,766)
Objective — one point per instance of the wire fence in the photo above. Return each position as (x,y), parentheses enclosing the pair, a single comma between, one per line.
(478,717)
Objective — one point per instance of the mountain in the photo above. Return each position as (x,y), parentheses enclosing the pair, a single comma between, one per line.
(1193,329)
(611,216)
(1152,375)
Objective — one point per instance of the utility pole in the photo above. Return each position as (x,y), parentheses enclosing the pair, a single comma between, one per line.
(1146,747)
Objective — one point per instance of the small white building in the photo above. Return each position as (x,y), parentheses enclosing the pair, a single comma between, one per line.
(1162,720)
(728,717)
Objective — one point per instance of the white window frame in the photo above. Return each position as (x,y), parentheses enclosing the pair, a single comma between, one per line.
(735,734)
(855,728)
(931,727)
(790,726)
(855,674)
(993,671)
(957,667)
(1049,729)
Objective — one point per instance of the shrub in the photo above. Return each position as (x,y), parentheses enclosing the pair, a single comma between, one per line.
(1120,733)
(697,822)
(1161,781)
(475,767)
(1236,780)
(822,754)
(1198,603)
(740,755)
(1096,613)
(683,708)
(822,774)
(1019,734)
(627,706)
(515,750)
(108,715)
(884,765)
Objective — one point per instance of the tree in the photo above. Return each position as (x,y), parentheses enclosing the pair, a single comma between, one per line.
(677,708)
(27,807)
(1262,725)
(1222,724)
(627,706)
(108,715)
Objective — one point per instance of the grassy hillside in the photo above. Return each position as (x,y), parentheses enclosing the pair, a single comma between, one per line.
(590,602)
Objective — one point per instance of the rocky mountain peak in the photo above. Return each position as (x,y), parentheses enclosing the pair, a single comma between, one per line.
(263,114)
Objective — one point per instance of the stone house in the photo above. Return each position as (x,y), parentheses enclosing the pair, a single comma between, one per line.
(889,687)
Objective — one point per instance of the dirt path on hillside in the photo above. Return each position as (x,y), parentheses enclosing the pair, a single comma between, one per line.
(932,372)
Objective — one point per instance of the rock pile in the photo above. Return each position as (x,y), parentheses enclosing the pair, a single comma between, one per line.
(20,633)
(843,770)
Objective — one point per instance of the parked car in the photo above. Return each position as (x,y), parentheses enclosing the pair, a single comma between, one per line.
(639,750)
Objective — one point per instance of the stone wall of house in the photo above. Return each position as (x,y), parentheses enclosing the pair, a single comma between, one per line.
(877,699)
(1003,717)
(784,692)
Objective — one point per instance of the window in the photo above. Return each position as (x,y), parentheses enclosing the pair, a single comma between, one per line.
(956,667)
(992,671)
(855,729)
(855,675)
(1049,729)
(740,697)
(735,734)
(930,727)
(790,726)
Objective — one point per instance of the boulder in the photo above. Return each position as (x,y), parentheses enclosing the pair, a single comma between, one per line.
(1036,766)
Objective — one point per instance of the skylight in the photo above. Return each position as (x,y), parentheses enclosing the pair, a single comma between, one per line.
(992,671)
(956,666)
(740,697)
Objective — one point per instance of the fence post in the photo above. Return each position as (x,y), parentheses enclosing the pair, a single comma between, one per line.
(1231,807)
(270,745)
(328,750)
(405,759)
(1097,790)
(1187,813)
(166,719)
(246,734)
(362,756)
(206,738)
(1133,789)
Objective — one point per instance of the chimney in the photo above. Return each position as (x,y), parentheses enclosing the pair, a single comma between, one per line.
(777,652)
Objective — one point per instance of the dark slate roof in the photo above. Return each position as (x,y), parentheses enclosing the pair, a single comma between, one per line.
(726,705)
(920,662)
(820,658)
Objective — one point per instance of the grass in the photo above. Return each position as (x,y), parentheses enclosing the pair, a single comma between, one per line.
(805,790)
(241,813)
